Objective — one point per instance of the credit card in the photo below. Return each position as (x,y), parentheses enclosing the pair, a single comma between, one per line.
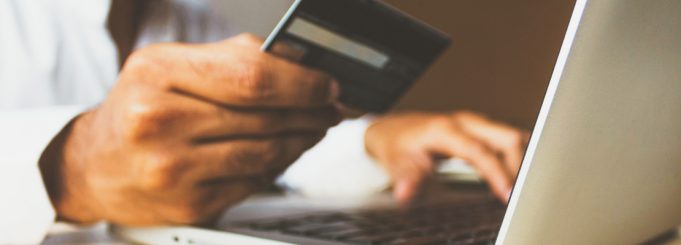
(375,51)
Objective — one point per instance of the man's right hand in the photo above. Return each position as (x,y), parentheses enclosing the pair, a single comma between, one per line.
(187,131)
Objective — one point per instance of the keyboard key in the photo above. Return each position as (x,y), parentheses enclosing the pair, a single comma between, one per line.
(423,240)
(444,224)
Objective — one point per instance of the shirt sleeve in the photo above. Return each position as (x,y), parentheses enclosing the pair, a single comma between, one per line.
(26,212)
(337,167)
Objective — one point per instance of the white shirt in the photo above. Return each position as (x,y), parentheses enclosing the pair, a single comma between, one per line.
(57,59)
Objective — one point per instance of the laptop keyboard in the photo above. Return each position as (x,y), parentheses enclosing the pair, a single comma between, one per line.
(474,223)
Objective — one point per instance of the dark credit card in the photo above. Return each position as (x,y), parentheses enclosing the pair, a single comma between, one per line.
(374,50)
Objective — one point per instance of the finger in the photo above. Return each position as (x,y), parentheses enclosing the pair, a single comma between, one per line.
(230,123)
(233,75)
(407,187)
(248,158)
(281,49)
(408,174)
(288,51)
(158,116)
(484,160)
(509,141)
(188,118)
(406,190)
(176,118)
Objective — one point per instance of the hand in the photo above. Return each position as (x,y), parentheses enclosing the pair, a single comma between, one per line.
(408,144)
(187,131)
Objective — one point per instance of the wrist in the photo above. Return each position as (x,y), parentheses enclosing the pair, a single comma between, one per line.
(64,185)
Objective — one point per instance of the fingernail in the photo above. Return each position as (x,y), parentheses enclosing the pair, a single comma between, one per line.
(402,191)
(335,91)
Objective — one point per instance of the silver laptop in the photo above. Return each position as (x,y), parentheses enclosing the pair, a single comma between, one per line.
(603,165)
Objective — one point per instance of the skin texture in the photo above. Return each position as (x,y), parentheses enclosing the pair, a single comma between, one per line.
(190,130)
(187,131)
(409,144)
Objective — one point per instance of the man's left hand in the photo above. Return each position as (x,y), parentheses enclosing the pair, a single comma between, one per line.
(409,144)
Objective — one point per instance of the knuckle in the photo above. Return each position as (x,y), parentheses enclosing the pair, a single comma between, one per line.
(440,122)
(138,123)
(148,65)
(465,115)
(161,172)
(254,83)
(147,120)
(139,60)
(476,150)
(145,58)
(249,38)
(246,40)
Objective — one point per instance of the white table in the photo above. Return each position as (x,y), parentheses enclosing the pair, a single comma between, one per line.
(63,234)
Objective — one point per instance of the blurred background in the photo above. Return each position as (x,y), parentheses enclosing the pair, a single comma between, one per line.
(500,61)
